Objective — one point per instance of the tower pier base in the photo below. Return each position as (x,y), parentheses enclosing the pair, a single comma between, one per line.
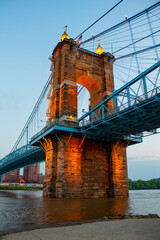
(78,168)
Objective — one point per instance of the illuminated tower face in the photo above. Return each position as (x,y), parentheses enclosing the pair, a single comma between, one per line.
(72,66)
(53,94)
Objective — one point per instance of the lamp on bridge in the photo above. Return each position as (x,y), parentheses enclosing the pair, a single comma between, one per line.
(99,49)
(64,35)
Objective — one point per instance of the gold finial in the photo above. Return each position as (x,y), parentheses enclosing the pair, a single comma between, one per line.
(99,49)
(64,35)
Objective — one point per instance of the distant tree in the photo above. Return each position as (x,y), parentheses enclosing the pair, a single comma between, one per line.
(140,184)
(130,183)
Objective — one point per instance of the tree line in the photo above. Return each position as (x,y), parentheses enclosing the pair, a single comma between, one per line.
(141,184)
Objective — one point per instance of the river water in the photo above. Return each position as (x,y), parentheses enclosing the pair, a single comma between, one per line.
(20,209)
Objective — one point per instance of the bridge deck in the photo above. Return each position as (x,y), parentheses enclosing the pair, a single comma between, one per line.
(32,156)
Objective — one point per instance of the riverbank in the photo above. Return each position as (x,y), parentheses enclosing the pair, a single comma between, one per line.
(19,188)
(128,229)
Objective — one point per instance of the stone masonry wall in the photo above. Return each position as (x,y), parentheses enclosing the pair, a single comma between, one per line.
(69,178)
(85,169)
(95,169)
(49,185)
(118,170)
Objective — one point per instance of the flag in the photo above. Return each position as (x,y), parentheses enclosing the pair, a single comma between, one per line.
(79,39)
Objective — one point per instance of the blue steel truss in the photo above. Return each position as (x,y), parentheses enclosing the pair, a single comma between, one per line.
(24,156)
(124,113)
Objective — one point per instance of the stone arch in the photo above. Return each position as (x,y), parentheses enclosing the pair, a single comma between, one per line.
(92,85)
(89,83)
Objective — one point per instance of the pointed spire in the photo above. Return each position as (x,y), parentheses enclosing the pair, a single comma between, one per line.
(64,35)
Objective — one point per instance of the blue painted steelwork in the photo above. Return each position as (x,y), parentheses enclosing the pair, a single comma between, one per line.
(25,156)
(130,116)
(53,128)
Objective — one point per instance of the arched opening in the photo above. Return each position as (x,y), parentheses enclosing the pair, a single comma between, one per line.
(83,100)
(89,93)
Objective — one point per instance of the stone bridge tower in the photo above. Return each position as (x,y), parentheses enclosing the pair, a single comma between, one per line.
(77,166)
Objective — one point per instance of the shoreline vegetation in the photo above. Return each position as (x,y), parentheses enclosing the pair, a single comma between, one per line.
(20,188)
(144,185)
(133,185)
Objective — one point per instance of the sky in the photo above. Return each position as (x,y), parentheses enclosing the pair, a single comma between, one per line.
(29,31)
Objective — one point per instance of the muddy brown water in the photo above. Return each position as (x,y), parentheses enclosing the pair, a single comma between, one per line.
(27,209)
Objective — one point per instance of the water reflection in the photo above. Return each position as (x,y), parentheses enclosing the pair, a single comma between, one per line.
(79,209)
(23,208)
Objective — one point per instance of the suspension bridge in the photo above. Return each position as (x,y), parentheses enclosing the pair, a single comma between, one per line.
(121,78)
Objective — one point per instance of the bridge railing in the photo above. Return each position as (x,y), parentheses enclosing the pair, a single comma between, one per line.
(136,100)
(48,126)
(127,96)
(104,112)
